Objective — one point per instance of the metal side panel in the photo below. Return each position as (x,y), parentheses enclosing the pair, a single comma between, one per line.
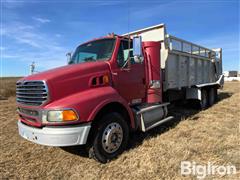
(200,71)
(212,73)
(206,70)
(182,70)
(192,77)
(172,71)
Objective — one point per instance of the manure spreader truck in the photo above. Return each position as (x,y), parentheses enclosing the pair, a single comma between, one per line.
(113,85)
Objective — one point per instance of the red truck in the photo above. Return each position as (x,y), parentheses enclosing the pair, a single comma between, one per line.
(114,85)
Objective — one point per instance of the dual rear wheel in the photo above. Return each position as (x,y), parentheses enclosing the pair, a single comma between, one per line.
(208,97)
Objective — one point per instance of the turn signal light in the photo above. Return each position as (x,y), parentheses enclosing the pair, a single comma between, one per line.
(100,81)
(105,79)
(69,115)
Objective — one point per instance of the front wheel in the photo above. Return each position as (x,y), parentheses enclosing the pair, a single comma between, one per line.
(111,138)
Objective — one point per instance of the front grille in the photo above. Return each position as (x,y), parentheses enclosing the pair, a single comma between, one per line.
(33,93)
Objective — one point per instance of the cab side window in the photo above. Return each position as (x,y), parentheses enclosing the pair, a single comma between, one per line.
(125,51)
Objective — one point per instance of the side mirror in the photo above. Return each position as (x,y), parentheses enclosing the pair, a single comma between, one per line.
(137,49)
(69,57)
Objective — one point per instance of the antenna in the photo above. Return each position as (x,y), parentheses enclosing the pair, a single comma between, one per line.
(129,58)
(32,68)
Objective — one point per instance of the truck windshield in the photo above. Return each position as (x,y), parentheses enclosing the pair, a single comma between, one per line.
(99,50)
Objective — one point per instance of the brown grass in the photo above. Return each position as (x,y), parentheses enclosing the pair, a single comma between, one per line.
(8,86)
(210,135)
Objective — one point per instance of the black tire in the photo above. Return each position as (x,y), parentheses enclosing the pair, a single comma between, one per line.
(105,129)
(212,96)
(216,94)
(203,103)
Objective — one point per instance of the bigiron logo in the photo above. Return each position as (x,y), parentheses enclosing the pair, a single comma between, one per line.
(201,171)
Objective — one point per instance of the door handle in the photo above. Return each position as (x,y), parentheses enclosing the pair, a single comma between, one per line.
(114,73)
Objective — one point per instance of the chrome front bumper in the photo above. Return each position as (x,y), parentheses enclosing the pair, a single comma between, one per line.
(55,136)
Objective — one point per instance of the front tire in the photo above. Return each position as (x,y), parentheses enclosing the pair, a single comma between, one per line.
(111,138)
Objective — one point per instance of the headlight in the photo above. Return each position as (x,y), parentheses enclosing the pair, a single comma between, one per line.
(60,116)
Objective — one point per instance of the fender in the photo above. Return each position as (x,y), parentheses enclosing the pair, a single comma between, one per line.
(88,103)
(117,99)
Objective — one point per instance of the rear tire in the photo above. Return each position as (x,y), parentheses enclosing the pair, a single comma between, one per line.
(111,138)
(203,103)
(212,96)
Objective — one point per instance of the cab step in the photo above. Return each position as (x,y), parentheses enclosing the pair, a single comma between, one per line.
(147,128)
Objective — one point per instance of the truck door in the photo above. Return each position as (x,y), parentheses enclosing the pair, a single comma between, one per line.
(129,81)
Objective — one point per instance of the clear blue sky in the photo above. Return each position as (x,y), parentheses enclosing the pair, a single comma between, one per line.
(43,31)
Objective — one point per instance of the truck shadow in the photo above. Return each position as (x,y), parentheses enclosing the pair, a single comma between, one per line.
(180,111)
(77,150)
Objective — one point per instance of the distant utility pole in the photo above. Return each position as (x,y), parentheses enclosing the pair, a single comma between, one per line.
(32,68)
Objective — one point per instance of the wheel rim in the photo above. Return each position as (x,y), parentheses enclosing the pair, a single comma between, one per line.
(112,137)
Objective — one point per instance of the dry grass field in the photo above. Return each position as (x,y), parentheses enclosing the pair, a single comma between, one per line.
(210,135)
(8,86)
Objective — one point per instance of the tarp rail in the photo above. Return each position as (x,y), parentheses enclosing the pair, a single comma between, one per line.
(180,45)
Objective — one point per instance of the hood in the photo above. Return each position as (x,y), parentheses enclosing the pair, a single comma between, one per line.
(65,71)
(70,79)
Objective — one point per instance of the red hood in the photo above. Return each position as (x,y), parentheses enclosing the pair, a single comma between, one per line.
(65,71)
(70,79)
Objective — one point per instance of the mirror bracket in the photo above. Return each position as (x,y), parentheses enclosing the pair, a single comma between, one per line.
(137,49)
(69,57)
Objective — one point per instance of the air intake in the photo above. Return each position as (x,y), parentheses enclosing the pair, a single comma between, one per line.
(32,93)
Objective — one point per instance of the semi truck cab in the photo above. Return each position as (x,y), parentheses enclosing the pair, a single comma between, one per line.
(111,86)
